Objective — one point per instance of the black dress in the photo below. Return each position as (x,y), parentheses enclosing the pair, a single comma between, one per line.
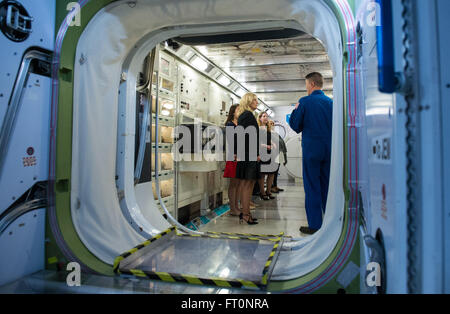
(248,168)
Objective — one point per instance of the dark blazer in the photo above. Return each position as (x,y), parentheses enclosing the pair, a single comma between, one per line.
(248,120)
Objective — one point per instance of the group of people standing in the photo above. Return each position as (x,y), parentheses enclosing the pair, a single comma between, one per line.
(313,118)
(244,171)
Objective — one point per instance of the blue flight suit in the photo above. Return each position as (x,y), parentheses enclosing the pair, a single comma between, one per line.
(313,117)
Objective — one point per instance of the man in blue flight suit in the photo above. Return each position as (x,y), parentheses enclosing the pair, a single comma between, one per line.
(313,118)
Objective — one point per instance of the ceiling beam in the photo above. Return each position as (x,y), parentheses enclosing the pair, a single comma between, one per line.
(324,64)
(288,91)
(327,80)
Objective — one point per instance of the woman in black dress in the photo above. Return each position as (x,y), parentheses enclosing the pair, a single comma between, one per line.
(247,169)
(230,168)
(263,121)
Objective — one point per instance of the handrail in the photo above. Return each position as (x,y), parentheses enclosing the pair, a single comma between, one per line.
(150,66)
(142,139)
(20,211)
(16,97)
(146,115)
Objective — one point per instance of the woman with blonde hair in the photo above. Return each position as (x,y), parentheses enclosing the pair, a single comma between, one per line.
(247,169)
(263,122)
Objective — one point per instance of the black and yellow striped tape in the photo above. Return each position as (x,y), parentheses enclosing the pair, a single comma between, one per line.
(140,246)
(269,262)
(231,236)
(190,279)
(248,234)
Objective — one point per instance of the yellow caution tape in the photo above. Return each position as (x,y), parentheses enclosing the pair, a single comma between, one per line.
(165,277)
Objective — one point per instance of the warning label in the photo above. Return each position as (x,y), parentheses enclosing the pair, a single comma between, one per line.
(29,161)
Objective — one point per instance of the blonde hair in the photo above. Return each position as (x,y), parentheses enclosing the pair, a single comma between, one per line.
(245,102)
(268,126)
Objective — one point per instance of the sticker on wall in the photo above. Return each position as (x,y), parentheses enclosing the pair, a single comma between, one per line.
(381,149)
(29,161)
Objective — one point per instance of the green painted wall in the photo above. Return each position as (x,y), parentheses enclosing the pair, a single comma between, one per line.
(64,141)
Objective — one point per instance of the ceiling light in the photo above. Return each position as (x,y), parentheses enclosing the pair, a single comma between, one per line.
(188,55)
(261,107)
(240,92)
(168,105)
(225,81)
(202,49)
(270,113)
(199,63)
(165,112)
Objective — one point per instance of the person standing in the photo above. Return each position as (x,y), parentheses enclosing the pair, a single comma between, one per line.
(263,121)
(230,168)
(313,118)
(248,167)
(282,158)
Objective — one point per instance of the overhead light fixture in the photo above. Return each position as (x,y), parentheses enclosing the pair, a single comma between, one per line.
(188,55)
(241,92)
(270,113)
(203,49)
(225,81)
(199,63)
(261,107)
(165,112)
(168,105)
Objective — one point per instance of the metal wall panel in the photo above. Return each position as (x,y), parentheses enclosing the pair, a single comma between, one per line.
(26,161)
(22,245)
(43,14)
(381,184)
(443,7)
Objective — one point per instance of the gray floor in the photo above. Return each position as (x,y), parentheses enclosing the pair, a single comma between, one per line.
(203,257)
(286,213)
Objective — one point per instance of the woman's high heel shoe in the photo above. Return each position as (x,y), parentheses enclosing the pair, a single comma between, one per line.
(264,197)
(270,196)
(249,221)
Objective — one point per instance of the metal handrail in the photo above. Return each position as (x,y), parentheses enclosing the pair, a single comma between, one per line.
(15,100)
(142,139)
(20,211)
(146,116)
